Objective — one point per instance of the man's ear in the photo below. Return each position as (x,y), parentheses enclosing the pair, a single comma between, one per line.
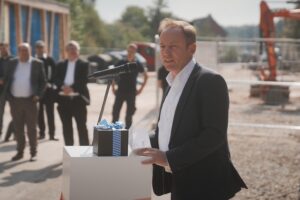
(192,48)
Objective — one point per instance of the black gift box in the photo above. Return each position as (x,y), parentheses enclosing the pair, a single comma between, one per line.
(103,142)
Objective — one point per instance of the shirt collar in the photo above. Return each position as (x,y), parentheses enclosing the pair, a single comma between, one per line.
(43,56)
(184,72)
(73,61)
(27,62)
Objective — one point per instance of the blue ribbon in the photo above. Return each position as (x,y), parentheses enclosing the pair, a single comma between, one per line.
(116,137)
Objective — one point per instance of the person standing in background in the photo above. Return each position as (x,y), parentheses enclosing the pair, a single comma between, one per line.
(24,85)
(73,95)
(161,79)
(4,58)
(48,99)
(126,90)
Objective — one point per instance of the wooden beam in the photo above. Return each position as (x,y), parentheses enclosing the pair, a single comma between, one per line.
(45,5)
(6,22)
(44,28)
(18,24)
(51,36)
(61,36)
(66,32)
(29,22)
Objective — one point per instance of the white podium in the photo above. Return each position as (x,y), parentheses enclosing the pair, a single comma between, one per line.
(89,177)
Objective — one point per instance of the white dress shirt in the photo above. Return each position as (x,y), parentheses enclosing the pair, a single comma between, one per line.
(70,74)
(21,84)
(170,104)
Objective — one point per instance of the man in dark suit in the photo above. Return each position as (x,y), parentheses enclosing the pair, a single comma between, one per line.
(49,97)
(73,96)
(127,89)
(190,153)
(24,84)
(4,58)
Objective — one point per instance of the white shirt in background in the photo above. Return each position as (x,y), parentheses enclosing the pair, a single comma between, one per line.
(21,84)
(70,74)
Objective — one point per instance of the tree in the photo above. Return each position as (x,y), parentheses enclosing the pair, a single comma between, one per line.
(77,21)
(156,14)
(122,35)
(135,17)
(86,26)
(95,31)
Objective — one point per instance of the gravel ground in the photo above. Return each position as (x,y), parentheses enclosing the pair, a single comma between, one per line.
(268,159)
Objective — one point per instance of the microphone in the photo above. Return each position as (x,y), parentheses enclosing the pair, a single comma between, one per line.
(111,73)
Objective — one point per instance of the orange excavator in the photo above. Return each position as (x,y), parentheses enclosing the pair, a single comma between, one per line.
(272,94)
(267,29)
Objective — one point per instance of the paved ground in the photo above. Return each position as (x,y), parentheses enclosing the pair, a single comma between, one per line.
(24,180)
(267,159)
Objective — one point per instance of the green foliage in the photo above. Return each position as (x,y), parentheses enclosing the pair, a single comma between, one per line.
(135,17)
(156,14)
(122,35)
(229,55)
(77,21)
(95,32)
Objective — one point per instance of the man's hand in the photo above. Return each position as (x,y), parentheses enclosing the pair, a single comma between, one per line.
(156,156)
(139,91)
(35,98)
(67,89)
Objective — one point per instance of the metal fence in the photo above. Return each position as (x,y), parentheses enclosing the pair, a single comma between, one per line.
(270,106)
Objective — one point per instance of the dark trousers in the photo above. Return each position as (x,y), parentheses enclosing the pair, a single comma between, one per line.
(24,112)
(67,109)
(10,130)
(2,106)
(130,101)
(50,118)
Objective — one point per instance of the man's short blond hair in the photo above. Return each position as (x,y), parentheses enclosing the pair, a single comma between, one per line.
(188,30)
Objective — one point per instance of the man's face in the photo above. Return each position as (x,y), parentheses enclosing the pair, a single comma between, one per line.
(24,53)
(131,53)
(39,50)
(174,51)
(3,50)
(72,52)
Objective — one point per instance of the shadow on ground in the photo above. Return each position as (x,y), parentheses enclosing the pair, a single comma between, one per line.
(32,176)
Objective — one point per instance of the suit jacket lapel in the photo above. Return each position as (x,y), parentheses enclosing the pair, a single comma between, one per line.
(33,66)
(183,98)
(76,73)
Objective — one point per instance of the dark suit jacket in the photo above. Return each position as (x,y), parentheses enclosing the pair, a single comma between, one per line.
(198,149)
(37,78)
(80,79)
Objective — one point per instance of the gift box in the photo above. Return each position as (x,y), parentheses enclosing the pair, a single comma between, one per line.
(110,139)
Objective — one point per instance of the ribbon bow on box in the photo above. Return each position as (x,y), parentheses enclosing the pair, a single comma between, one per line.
(105,125)
(116,136)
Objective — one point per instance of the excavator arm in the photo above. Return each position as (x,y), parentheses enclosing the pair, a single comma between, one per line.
(267,29)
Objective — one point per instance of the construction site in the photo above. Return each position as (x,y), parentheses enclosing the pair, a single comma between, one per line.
(263,78)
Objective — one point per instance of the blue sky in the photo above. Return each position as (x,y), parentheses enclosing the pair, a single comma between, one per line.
(225,12)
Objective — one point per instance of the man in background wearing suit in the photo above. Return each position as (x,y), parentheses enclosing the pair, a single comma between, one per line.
(47,101)
(71,81)
(24,84)
(127,89)
(190,153)
(5,56)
